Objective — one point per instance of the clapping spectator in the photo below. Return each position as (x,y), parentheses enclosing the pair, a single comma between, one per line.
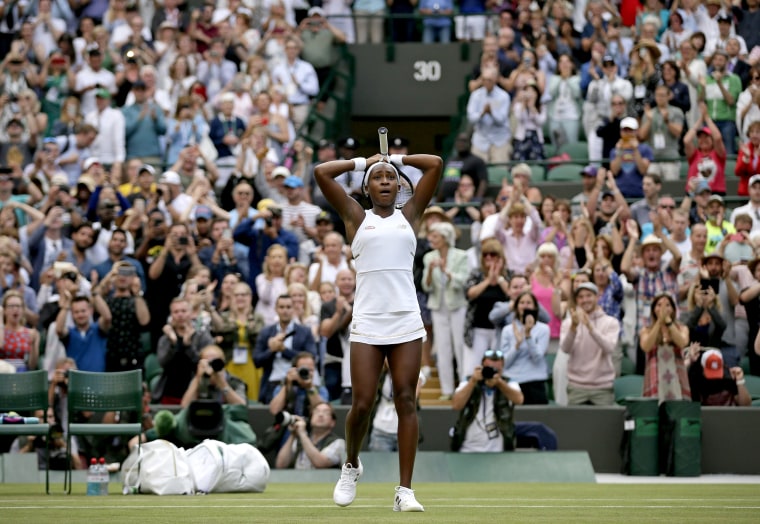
(529,115)
(524,343)
(445,273)
(748,104)
(565,101)
(488,113)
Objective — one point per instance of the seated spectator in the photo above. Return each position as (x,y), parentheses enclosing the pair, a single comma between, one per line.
(315,448)
(715,384)
(212,381)
(19,344)
(487,428)
(383,434)
(178,352)
(524,343)
(86,342)
(276,346)
(589,336)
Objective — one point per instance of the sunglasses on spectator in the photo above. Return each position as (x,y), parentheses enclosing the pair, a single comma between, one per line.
(667,206)
(493,354)
(490,253)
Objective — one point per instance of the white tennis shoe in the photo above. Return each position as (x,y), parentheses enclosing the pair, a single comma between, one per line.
(405,500)
(345,490)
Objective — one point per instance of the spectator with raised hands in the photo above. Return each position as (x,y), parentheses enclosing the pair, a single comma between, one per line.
(85,340)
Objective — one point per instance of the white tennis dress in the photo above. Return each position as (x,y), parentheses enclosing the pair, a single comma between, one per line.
(385,302)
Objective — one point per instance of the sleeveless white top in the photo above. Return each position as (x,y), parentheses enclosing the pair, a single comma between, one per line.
(385,303)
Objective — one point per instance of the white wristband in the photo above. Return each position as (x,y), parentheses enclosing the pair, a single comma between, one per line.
(360,163)
(397,159)
(741,382)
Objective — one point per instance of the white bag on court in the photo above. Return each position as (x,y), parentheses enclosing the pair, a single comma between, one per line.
(245,470)
(206,461)
(159,468)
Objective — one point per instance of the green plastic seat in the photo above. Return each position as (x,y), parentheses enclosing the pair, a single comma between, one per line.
(101,392)
(565,173)
(496,174)
(627,366)
(152,367)
(628,386)
(22,392)
(578,151)
(752,383)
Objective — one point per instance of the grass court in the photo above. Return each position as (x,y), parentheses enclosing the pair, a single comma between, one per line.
(444,502)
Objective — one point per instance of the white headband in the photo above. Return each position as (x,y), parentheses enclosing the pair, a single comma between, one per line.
(372,167)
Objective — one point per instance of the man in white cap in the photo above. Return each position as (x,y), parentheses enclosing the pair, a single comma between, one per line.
(630,159)
(651,278)
(589,336)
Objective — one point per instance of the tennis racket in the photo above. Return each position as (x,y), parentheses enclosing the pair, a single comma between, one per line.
(406,188)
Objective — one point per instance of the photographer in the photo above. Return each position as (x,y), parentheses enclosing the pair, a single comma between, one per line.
(590,337)
(211,381)
(315,448)
(489,428)
(299,395)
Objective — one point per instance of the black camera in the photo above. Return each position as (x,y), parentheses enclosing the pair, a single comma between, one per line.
(304,373)
(530,313)
(66,373)
(488,372)
(183,241)
(216,365)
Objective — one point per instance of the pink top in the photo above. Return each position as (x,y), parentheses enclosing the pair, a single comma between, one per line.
(544,297)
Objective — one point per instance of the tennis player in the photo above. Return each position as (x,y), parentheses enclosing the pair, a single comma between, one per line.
(386,317)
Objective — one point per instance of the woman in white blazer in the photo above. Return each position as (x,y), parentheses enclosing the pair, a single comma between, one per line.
(444,276)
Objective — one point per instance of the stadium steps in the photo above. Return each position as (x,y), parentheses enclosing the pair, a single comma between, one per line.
(432,390)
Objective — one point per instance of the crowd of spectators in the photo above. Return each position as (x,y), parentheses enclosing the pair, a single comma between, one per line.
(152,182)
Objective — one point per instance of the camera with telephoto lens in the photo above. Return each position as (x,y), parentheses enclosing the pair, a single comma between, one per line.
(216,365)
(488,372)
(283,418)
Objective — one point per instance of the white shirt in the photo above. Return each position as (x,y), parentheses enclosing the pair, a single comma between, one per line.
(99,251)
(306,84)
(476,438)
(160,97)
(491,129)
(291,212)
(751,210)
(329,271)
(110,144)
(87,77)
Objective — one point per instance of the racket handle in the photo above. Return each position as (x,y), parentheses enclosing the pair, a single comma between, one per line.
(382,135)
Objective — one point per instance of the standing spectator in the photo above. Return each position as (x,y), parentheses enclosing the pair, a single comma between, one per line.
(671,77)
(270,283)
(661,129)
(335,318)
(75,150)
(329,259)
(109,145)
(436,28)
(299,216)
(145,125)
(529,115)
(693,69)
(748,105)
(524,343)
(183,130)
(608,131)
(630,160)
(403,24)
(519,245)
(338,12)
(179,350)
(86,340)
(704,317)
(664,342)
(599,99)
(277,345)
(708,158)
(589,336)
(471,27)
(565,102)
(485,286)
(122,291)
(226,131)
(721,90)
(321,40)
(370,19)
(299,79)
(445,276)
(215,72)
(747,165)
(488,112)
(643,74)
(93,77)
(46,243)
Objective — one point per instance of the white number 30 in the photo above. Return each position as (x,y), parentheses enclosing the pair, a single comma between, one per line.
(427,71)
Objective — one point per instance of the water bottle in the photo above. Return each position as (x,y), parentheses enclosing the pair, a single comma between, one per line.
(104,476)
(93,480)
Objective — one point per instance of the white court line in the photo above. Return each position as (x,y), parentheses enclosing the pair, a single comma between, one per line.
(322,506)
